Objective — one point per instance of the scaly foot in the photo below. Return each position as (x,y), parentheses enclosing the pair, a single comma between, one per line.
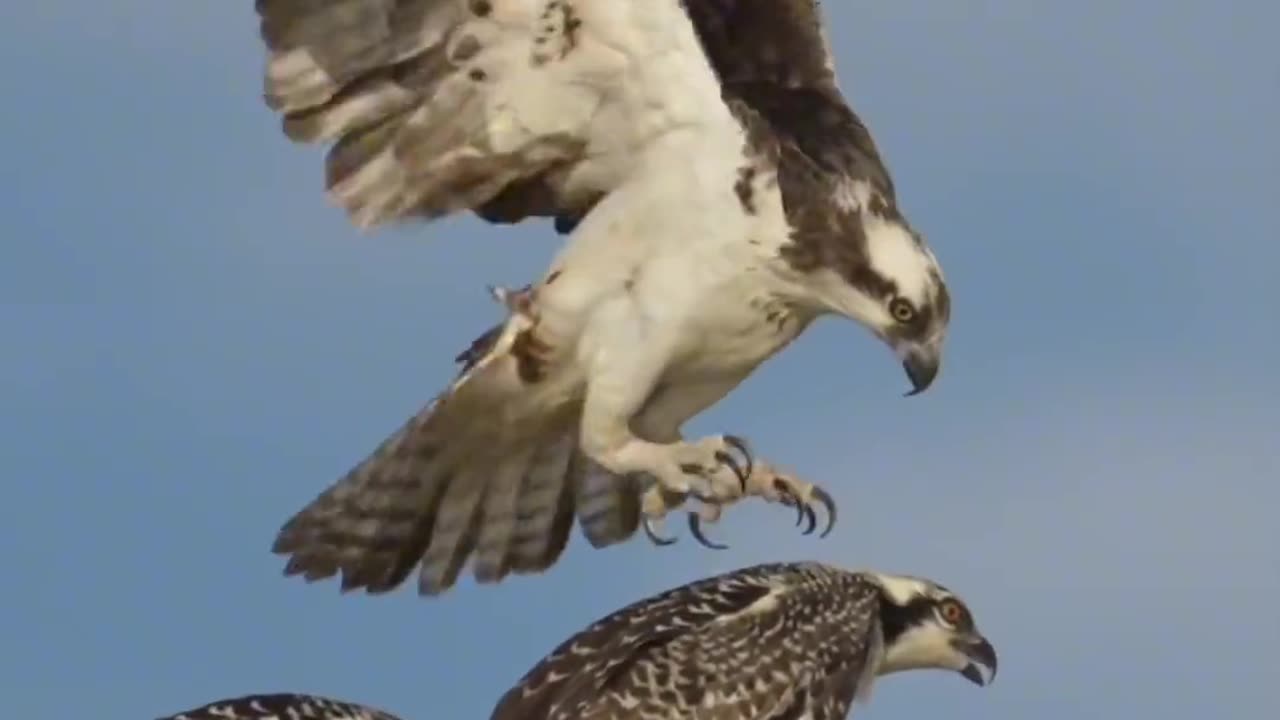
(762,481)
(714,470)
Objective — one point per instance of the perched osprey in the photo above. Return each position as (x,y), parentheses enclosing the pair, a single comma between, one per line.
(281,706)
(719,195)
(786,640)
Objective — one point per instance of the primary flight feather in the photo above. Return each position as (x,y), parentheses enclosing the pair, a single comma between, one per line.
(718,195)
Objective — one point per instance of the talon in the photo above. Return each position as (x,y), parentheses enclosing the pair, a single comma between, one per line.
(786,497)
(811,517)
(741,446)
(727,459)
(654,537)
(695,527)
(829,505)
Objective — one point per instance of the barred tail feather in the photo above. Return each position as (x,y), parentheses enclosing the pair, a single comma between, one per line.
(608,506)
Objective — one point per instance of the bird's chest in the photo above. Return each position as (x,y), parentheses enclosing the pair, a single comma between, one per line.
(732,334)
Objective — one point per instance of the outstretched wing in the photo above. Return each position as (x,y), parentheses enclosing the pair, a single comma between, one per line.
(490,471)
(485,468)
(778,76)
(775,65)
(776,640)
(281,706)
(439,106)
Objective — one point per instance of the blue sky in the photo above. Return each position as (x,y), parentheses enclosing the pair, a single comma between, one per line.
(193,343)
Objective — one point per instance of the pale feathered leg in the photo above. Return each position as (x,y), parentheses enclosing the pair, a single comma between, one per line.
(619,386)
(716,471)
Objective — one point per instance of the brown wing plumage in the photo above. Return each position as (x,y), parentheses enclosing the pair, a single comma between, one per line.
(771,641)
(411,95)
(446,486)
(778,76)
(779,42)
(490,472)
(405,91)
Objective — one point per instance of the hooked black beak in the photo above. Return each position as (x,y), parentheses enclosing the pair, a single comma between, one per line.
(982,655)
(921,364)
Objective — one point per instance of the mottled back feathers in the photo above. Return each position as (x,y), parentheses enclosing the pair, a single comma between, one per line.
(771,641)
(282,706)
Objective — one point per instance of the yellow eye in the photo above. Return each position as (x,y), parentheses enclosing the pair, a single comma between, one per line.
(951,611)
(902,310)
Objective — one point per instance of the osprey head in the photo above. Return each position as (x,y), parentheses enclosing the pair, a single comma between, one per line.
(900,294)
(877,270)
(926,626)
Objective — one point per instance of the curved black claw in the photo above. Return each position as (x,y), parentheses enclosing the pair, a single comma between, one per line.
(741,446)
(829,505)
(812,518)
(695,527)
(654,537)
(725,458)
(789,498)
(805,514)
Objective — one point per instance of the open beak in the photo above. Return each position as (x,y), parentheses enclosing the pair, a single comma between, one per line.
(921,363)
(981,655)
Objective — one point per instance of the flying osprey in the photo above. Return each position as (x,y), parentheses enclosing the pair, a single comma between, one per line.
(719,195)
(786,640)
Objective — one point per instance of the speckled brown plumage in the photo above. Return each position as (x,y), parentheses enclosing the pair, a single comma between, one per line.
(777,641)
(281,706)
(773,641)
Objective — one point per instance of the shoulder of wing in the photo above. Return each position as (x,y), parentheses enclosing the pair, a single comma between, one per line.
(781,42)
(607,647)
(778,75)
(440,106)
(799,648)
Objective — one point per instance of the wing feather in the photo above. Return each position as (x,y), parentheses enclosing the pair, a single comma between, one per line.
(777,70)
(544,513)
(485,472)
(439,106)
(780,42)
(778,78)
(500,512)
(608,505)
(495,106)
(418,496)
(770,641)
